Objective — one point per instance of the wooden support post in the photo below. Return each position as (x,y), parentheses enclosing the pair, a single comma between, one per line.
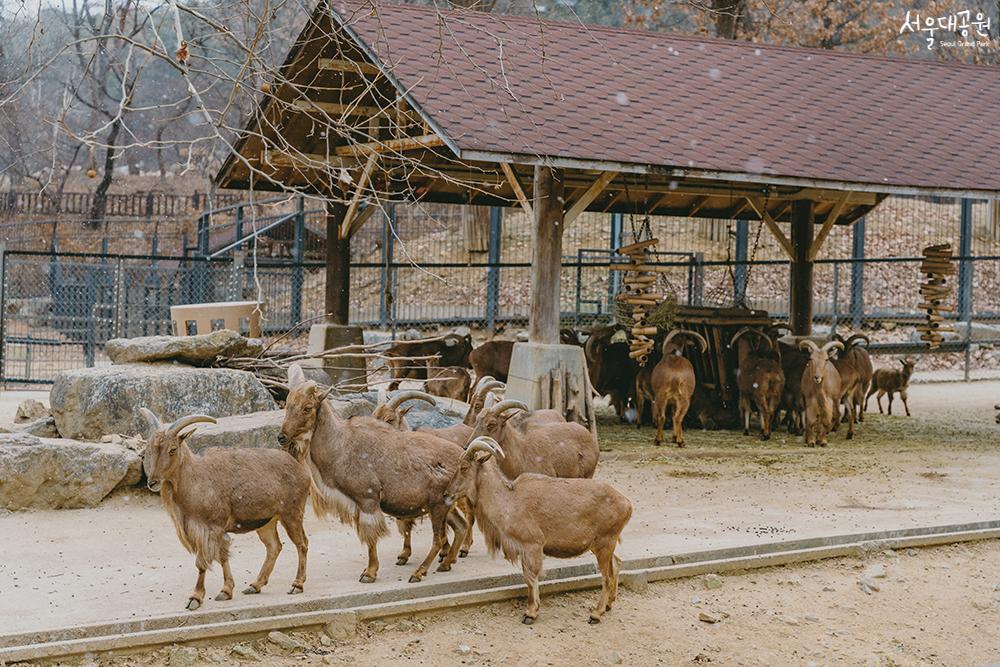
(800,306)
(546,258)
(338,265)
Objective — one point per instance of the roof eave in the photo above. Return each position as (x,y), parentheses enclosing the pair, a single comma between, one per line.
(735,177)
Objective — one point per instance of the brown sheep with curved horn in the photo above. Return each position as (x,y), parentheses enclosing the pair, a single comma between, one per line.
(532,516)
(861,362)
(759,378)
(226,491)
(820,391)
(670,383)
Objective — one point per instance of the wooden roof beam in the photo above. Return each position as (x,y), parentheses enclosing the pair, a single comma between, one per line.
(831,220)
(697,205)
(758,207)
(391,145)
(309,160)
(588,197)
(347,223)
(515,185)
(349,66)
(333,109)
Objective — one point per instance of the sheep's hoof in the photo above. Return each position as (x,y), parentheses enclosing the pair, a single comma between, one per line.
(680,444)
(822,444)
(594,620)
(765,436)
(850,436)
(402,560)
(746,431)
(223,596)
(444,567)
(367,579)
(295,590)
(528,620)
(463,553)
(193,604)
(415,579)
(251,590)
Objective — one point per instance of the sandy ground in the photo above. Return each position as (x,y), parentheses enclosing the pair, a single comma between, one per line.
(122,559)
(936,606)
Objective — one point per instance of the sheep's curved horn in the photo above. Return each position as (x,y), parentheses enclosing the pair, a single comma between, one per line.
(832,345)
(736,336)
(483,380)
(855,340)
(382,396)
(481,391)
(505,405)
(411,395)
(804,344)
(184,422)
(151,419)
(698,337)
(484,444)
(326,394)
(767,339)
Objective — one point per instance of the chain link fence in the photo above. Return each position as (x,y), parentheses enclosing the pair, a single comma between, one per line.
(438,267)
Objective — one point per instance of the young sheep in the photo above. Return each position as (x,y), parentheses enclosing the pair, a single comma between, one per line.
(534,516)
(448,382)
(226,491)
(889,381)
(820,391)
(670,383)
(760,378)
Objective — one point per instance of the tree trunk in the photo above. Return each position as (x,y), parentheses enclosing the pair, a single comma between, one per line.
(100,205)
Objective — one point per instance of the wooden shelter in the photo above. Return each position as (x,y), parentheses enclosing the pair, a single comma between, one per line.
(379,102)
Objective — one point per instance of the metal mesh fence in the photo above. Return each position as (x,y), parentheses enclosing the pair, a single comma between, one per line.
(434,266)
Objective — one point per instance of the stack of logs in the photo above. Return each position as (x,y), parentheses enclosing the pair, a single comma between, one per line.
(641,296)
(936,266)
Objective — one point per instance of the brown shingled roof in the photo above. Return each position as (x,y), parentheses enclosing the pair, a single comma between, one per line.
(496,86)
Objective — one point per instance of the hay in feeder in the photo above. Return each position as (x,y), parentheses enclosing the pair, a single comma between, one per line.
(664,314)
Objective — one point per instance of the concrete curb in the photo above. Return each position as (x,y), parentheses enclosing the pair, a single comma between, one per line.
(635,575)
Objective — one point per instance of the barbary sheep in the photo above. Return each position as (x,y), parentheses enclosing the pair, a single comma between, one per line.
(226,491)
(890,381)
(670,383)
(533,516)
(363,469)
(820,391)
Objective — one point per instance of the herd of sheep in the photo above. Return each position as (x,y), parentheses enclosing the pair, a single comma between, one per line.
(525,477)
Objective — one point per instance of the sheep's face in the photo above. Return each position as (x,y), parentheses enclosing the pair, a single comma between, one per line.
(818,364)
(162,457)
(491,424)
(908,364)
(464,483)
(301,412)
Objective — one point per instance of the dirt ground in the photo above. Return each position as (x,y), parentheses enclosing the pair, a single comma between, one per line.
(937,606)
(940,466)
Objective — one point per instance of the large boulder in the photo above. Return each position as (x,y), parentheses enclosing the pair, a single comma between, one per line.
(200,350)
(90,402)
(57,473)
(30,410)
(260,429)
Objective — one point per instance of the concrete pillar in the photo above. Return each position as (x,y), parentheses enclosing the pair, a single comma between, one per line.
(546,256)
(800,304)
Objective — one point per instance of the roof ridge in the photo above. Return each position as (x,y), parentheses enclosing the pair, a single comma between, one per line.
(695,39)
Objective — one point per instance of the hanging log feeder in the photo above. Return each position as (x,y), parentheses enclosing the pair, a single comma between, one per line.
(640,282)
(937,265)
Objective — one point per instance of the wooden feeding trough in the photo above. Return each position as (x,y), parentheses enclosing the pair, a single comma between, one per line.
(937,265)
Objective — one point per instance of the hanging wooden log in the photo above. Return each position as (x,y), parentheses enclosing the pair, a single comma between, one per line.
(936,266)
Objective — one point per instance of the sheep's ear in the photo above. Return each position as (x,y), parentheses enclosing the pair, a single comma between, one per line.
(295,376)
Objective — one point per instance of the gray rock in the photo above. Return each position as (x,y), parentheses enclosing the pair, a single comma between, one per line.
(613,658)
(90,402)
(463,649)
(44,427)
(788,620)
(30,410)
(709,617)
(712,581)
(875,571)
(446,413)
(282,640)
(200,350)
(246,651)
(869,586)
(257,429)
(343,626)
(59,473)
(182,656)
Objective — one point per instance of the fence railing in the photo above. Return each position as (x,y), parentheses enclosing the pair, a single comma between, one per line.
(57,311)
(137,204)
